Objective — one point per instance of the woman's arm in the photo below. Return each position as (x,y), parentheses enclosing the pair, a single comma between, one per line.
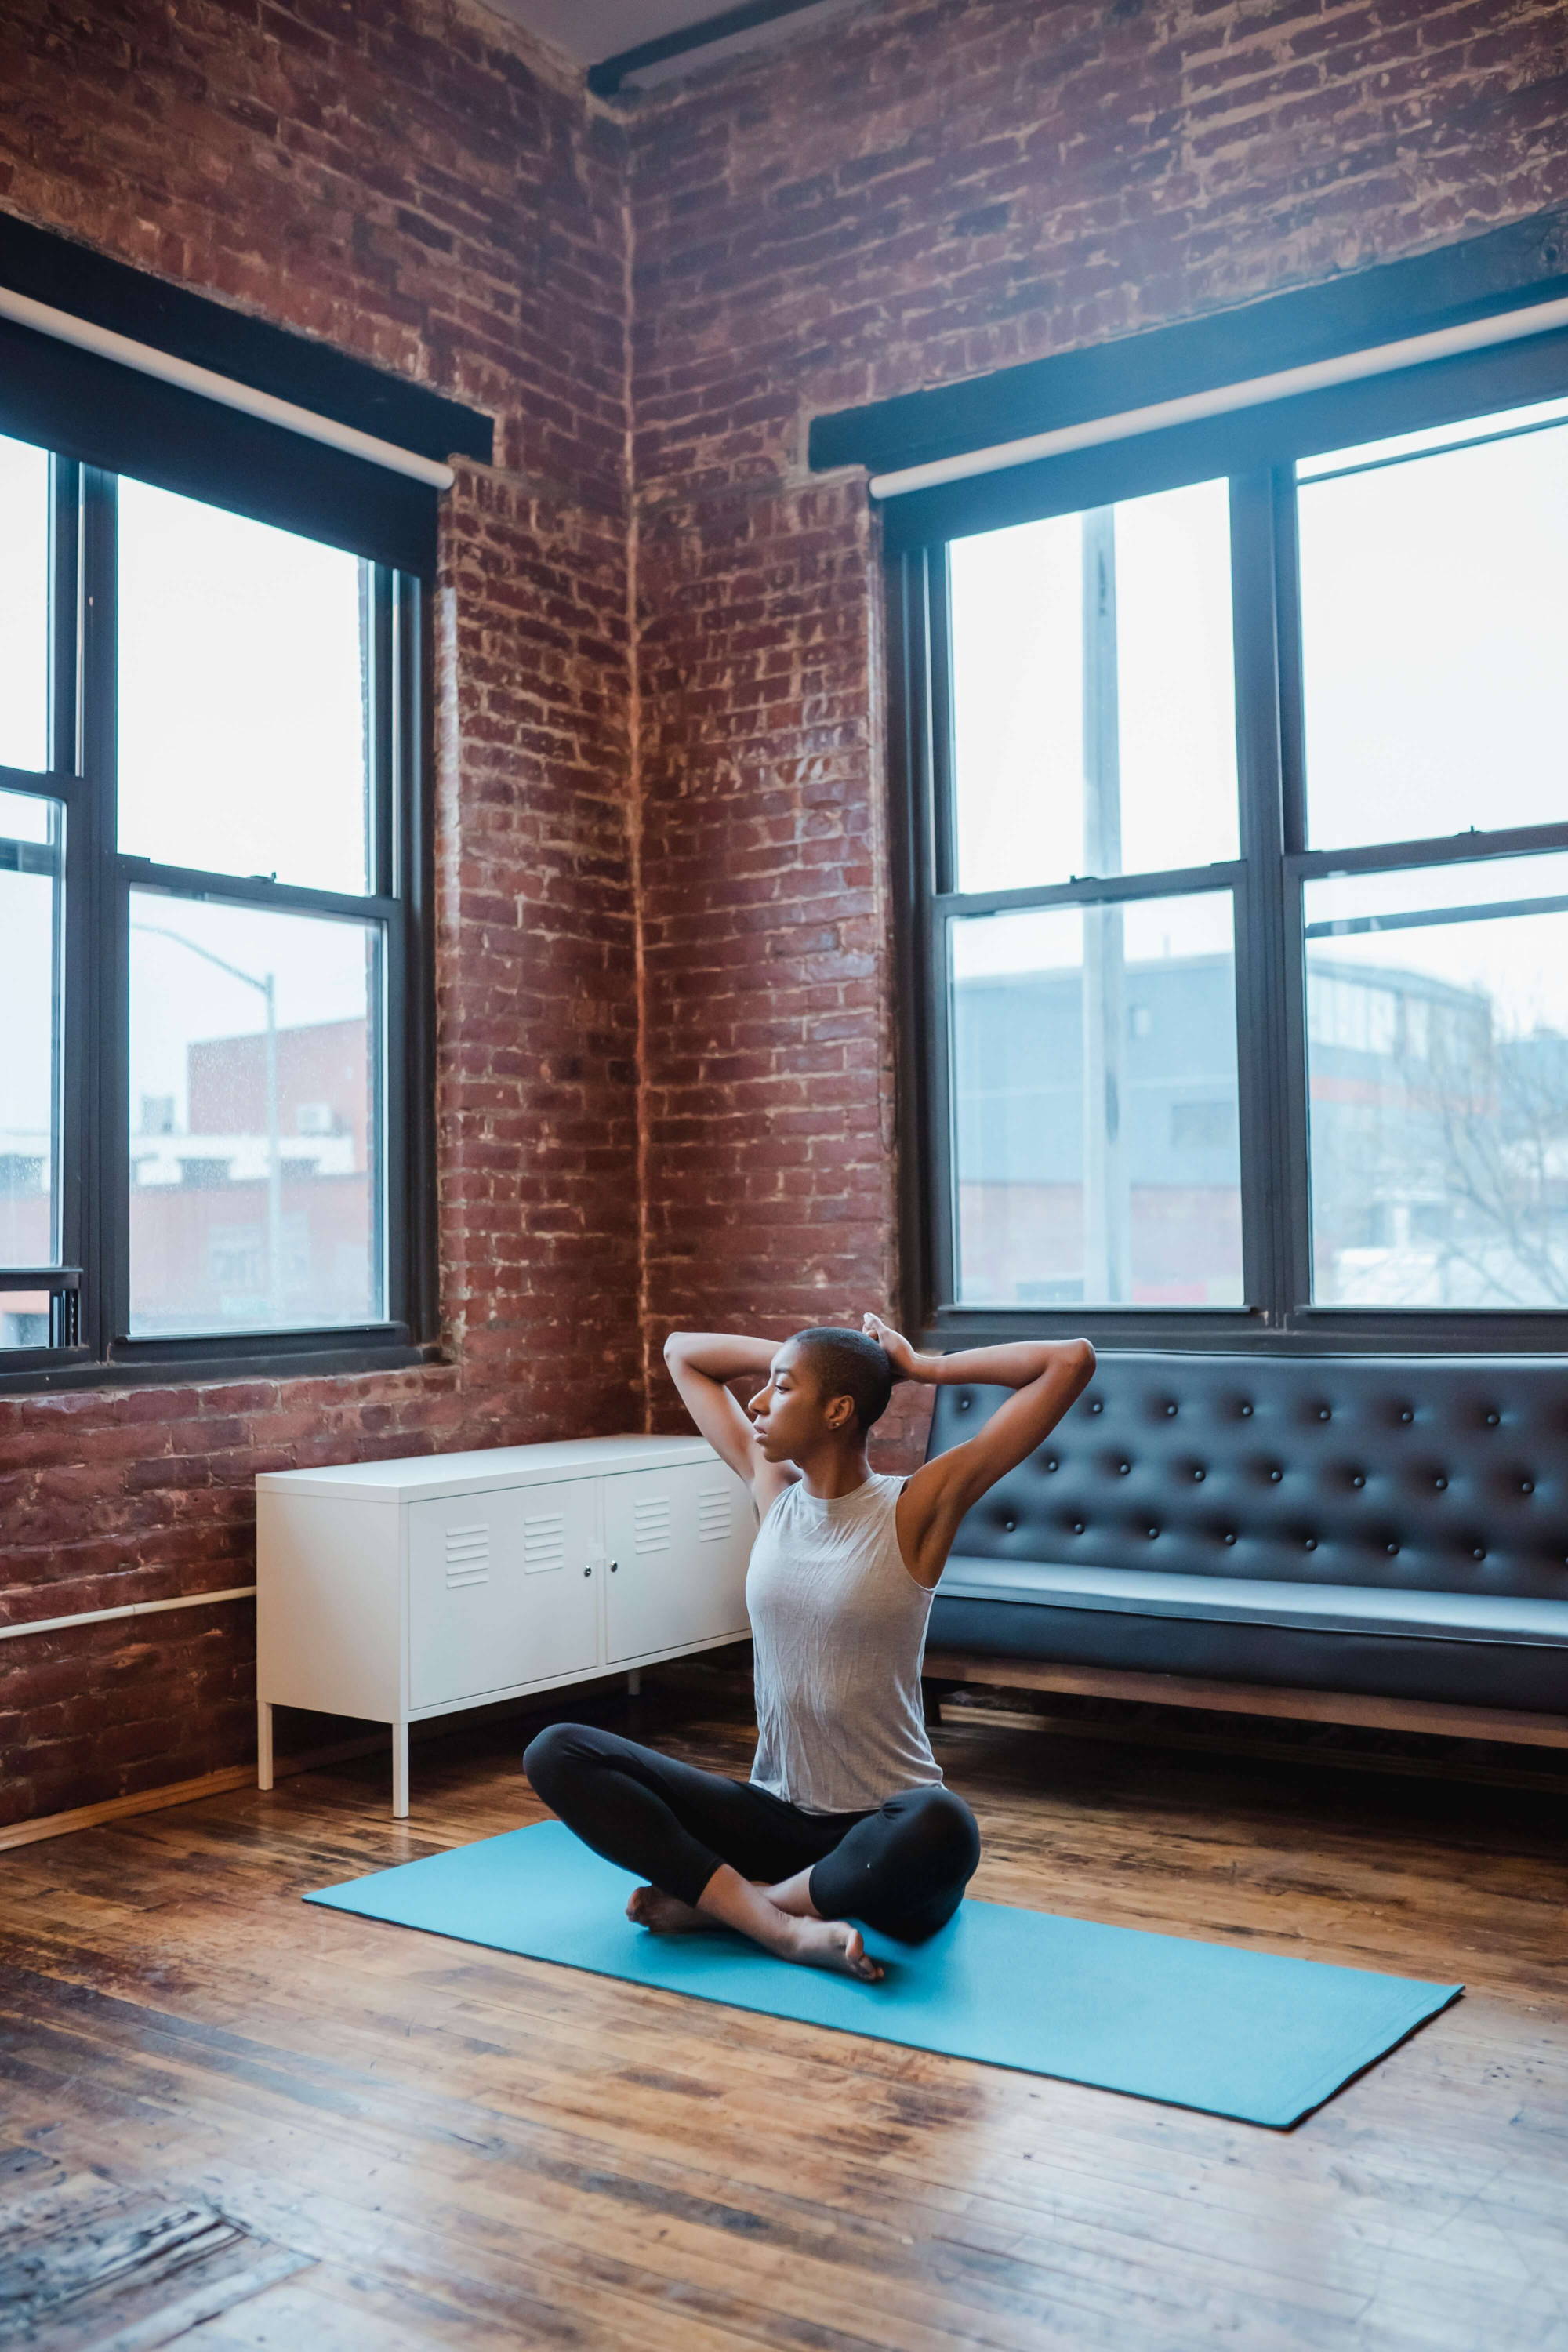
(1047,1375)
(701,1362)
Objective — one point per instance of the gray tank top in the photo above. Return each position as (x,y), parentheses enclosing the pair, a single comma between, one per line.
(839,1626)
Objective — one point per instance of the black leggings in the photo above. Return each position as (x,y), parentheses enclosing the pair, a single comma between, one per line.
(901,1868)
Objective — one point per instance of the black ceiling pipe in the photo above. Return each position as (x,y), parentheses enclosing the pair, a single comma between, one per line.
(604,80)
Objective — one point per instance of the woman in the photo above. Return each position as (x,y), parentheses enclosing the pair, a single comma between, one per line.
(845,1816)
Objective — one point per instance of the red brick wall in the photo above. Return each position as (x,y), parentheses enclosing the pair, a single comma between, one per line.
(400,180)
(921,193)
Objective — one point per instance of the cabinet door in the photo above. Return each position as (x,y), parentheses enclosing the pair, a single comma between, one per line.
(677,1541)
(503,1589)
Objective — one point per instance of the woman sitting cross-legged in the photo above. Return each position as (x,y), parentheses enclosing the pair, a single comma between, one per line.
(845,1816)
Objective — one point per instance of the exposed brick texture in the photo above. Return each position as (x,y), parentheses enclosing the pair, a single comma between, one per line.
(918,193)
(912,194)
(403,179)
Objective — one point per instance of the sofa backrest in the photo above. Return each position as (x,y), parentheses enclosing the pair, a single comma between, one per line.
(1447,1474)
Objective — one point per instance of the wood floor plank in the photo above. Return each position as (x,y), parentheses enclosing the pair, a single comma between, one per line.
(468,2148)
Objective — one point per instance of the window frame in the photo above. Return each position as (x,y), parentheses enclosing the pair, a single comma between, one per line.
(89,1343)
(1269,879)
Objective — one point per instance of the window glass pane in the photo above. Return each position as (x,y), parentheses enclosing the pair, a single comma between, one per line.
(24,605)
(23,1318)
(1434,619)
(1437,1059)
(256,1157)
(1095,1140)
(31,833)
(243,684)
(1094,680)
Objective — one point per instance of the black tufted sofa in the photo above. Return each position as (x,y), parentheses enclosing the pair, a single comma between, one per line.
(1394,1526)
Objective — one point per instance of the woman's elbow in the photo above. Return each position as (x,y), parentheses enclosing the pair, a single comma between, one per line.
(1082,1357)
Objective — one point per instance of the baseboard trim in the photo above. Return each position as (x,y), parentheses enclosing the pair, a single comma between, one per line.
(1433,1715)
(308,1759)
(182,1793)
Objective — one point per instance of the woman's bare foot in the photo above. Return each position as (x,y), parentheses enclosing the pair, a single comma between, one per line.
(830,1944)
(662,1914)
(815,1942)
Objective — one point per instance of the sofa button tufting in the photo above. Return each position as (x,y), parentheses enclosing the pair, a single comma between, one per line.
(1011,1526)
(1123,1468)
(1391,1549)
(1230,1536)
(1078,1527)
(1358,1478)
(1478,1553)
(1441,1484)
(1407,1414)
(1323,1413)
(1199,1472)
(964,1403)
(1051,1463)
(1153,1532)
(1246,1412)
(1275,1476)
(1170,1412)
(1527,1485)
(1097,1404)
(1310,1544)
(1492,1419)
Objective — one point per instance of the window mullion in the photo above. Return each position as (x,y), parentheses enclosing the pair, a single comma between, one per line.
(1295,1202)
(71,937)
(104,1163)
(1094,890)
(1263,1043)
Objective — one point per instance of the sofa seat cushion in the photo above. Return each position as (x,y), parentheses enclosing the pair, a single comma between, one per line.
(1318,1608)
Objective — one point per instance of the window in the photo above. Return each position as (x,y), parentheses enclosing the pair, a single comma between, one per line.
(1238,894)
(209,889)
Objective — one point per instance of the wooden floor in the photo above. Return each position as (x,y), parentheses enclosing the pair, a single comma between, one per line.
(235,2122)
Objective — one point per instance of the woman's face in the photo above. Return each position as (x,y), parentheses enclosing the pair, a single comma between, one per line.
(790,1413)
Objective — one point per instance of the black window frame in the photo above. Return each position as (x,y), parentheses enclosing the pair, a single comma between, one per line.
(1268,877)
(90,1341)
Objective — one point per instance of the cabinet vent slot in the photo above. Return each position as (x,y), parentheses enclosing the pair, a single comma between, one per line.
(651,1523)
(468,1557)
(544,1542)
(713,1516)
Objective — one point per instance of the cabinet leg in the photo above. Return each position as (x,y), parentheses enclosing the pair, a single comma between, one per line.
(263,1743)
(634,1683)
(400,1771)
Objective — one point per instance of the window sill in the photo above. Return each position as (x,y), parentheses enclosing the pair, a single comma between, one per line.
(1310,1331)
(184,1364)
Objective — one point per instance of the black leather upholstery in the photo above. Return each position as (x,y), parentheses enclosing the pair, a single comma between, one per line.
(1411,1477)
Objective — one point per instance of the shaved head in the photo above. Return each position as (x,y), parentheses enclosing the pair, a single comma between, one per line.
(848,1363)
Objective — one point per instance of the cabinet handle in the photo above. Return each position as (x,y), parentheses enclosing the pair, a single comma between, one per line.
(589,1569)
(613,1565)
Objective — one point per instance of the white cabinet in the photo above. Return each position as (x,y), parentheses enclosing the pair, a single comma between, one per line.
(500,1589)
(399,1590)
(677,1545)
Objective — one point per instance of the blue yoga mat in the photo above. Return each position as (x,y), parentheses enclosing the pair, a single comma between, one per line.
(1233,2033)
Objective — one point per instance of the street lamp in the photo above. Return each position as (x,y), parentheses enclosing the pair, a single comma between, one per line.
(274,1160)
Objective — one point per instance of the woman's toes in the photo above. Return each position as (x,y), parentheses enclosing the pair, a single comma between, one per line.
(859,1959)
